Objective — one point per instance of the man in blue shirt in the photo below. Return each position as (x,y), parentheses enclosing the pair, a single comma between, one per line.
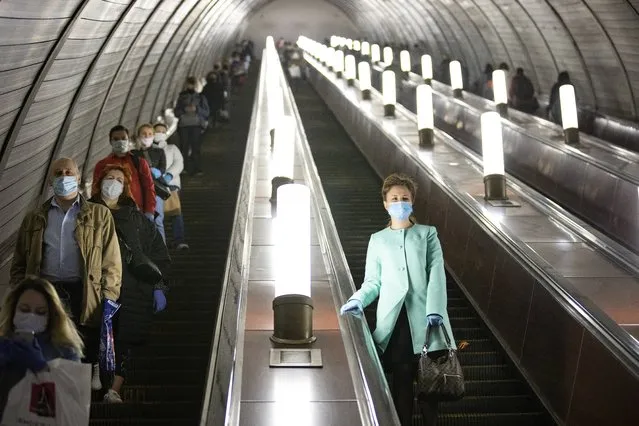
(73,244)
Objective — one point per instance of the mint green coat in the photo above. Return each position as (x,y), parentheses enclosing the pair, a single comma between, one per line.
(406,266)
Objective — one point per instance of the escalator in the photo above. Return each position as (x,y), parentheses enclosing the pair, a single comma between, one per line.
(496,393)
(167,377)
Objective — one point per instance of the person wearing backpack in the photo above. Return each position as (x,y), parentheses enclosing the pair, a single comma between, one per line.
(192,110)
(522,93)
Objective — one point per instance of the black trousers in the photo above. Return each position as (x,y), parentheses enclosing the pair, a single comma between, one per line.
(400,366)
(191,139)
(123,350)
(71,293)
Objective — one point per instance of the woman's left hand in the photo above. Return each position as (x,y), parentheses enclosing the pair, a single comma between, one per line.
(159,300)
(29,355)
(434,320)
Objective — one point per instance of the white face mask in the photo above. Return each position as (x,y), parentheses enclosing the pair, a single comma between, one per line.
(160,137)
(112,189)
(120,147)
(30,322)
(147,142)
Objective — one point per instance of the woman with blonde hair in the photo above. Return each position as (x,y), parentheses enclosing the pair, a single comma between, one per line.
(405,269)
(35,328)
(143,292)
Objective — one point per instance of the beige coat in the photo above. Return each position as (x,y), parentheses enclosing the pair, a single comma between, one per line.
(98,242)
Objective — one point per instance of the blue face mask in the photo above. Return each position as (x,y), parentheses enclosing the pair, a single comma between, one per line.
(64,186)
(400,210)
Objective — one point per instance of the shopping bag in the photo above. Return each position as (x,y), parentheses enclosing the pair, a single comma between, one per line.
(60,396)
(224,116)
(107,346)
(295,71)
(173,206)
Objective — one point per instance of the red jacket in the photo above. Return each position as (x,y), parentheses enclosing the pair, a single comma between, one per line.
(142,187)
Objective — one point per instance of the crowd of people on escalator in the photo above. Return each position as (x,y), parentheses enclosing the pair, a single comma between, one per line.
(92,268)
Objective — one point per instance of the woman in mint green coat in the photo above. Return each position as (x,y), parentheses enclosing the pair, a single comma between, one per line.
(405,269)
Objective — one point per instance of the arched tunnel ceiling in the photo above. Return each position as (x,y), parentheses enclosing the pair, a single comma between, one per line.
(71,69)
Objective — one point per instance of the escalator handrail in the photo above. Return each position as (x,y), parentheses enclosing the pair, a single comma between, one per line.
(241,233)
(374,398)
(621,344)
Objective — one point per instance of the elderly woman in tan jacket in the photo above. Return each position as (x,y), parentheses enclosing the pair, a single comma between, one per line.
(73,244)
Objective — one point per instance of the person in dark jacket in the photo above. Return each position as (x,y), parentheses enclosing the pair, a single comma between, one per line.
(156,158)
(34,329)
(522,93)
(139,299)
(554,103)
(192,109)
(215,95)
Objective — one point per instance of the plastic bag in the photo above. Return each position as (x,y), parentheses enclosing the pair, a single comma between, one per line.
(107,347)
(58,397)
(295,71)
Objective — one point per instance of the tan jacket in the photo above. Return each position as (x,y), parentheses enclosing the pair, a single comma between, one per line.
(98,242)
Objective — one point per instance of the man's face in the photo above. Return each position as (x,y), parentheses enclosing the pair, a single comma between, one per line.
(65,167)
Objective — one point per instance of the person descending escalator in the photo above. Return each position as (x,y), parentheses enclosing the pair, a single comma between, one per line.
(522,93)
(145,267)
(215,94)
(411,286)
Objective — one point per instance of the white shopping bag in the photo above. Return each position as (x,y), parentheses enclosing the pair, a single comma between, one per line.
(295,71)
(58,397)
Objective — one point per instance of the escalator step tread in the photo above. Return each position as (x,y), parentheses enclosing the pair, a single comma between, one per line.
(166,379)
(496,394)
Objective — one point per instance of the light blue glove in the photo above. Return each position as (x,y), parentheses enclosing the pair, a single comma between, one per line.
(150,216)
(159,300)
(353,307)
(155,172)
(168,177)
(434,320)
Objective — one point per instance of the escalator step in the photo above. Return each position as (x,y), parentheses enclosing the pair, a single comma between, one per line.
(496,394)
(167,377)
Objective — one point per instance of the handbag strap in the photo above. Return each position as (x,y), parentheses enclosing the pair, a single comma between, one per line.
(446,337)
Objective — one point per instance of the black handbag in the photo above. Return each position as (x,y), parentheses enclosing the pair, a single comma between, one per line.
(440,378)
(139,264)
(161,190)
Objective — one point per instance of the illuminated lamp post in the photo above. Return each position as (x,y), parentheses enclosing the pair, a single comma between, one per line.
(500,92)
(364,72)
(334,41)
(357,45)
(493,156)
(425,119)
(569,119)
(292,305)
(427,69)
(366,48)
(456,80)
(389,93)
(349,44)
(375,54)
(388,56)
(404,63)
(338,63)
(350,70)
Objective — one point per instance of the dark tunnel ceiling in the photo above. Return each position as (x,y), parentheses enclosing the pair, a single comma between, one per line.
(71,69)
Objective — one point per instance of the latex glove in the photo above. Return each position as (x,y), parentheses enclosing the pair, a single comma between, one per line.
(168,177)
(353,307)
(155,172)
(159,300)
(150,216)
(29,355)
(434,320)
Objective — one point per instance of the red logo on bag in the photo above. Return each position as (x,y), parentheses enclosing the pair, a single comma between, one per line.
(43,399)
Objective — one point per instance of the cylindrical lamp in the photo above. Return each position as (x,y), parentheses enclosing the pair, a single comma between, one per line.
(375,54)
(292,305)
(569,119)
(404,63)
(364,72)
(456,80)
(425,118)
(366,48)
(338,63)
(500,92)
(270,42)
(427,69)
(334,41)
(492,147)
(388,56)
(349,44)
(389,93)
(350,69)
(330,57)
(357,46)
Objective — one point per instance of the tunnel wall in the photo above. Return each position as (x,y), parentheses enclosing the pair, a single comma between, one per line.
(71,69)
(290,18)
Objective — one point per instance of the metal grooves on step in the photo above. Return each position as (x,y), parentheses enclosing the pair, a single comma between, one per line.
(496,395)
(166,383)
